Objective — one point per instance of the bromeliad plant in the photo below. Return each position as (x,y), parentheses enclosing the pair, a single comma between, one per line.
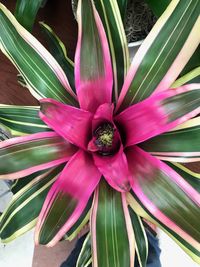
(106,146)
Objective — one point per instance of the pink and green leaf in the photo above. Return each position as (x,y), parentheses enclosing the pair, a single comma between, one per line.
(109,11)
(115,170)
(159,113)
(181,145)
(80,223)
(71,123)
(113,242)
(191,177)
(21,156)
(43,75)
(93,68)
(166,196)
(24,208)
(22,119)
(67,199)
(164,53)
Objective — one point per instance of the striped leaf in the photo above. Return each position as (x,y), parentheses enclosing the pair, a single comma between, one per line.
(21,214)
(93,67)
(158,10)
(4,132)
(80,223)
(67,199)
(181,145)
(191,177)
(113,242)
(141,242)
(159,113)
(166,197)
(140,209)
(41,72)
(26,11)
(22,119)
(109,12)
(58,50)
(21,156)
(18,184)
(85,256)
(164,53)
(193,77)
(122,7)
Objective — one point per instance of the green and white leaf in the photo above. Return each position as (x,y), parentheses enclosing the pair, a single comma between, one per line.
(113,24)
(58,50)
(85,256)
(41,72)
(26,11)
(22,119)
(21,214)
(141,242)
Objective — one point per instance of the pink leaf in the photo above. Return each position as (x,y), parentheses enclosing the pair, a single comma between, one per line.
(93,68)
(67,199)
(71,123)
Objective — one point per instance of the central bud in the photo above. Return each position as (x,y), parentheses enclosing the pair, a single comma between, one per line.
(104,135)
(105,139)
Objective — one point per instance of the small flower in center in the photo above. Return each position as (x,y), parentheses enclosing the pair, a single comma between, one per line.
(104,135)
(105,139)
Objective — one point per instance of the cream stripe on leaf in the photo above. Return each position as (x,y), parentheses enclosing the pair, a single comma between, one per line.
(177,28)
(111,229)
(58,50)
(137,206)
(42,73)
(141,241)
(25,205)
(113,24)
(22,119)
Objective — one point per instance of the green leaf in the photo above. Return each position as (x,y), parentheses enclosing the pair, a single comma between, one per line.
(21,214)
(167,197)
(112,233)
(80,223)
(181,145)
(26,11)
(41,72)
(22,119)
(158,7)
(113,24)
(122,7)
(85,256)
(58,50)
(140,209)
(4,132)
(22,156)
(194,62)
(191,77)
(191,177)
(164,53)
(141,241)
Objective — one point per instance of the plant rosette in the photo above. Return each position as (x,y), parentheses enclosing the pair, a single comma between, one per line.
(107,142)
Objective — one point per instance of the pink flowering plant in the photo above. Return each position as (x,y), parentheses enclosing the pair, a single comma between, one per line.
(107,142)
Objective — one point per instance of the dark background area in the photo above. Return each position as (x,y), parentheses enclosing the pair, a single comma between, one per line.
(58,15)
